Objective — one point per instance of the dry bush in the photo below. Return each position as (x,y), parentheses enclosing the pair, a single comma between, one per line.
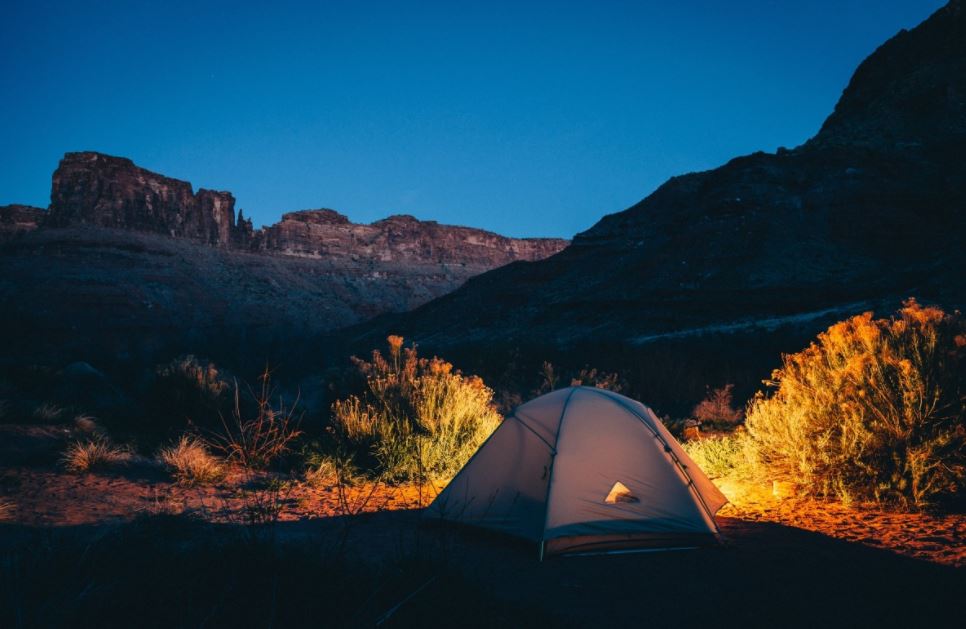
(48,412)
(87,424)
(190,462)
(7,509)
(189,390)
(873,410)
(717,408)
(587,376)
(592,377)
(417,417)
(258,437)
(94,454)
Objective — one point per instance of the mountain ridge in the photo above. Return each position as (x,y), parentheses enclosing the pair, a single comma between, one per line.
(870,210)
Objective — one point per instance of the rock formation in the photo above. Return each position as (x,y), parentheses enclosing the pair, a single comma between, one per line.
(870,211)
(400,238)
(129,266)
(17,219)
(95,189)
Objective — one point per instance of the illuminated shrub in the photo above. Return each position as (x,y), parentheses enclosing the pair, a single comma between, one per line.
(731,455)
(872,410)
(416,417)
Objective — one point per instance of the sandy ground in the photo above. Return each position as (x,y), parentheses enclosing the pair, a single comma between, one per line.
(35,492)
(784,561)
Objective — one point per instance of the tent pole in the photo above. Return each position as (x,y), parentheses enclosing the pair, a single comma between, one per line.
(541,550)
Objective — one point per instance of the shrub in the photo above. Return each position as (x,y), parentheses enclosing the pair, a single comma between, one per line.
(717,409)
(416,417)
(873,410)
(592,377)
(587,376)
(727,455)
(256,438)
(189,390)
(190,462)
(94,454)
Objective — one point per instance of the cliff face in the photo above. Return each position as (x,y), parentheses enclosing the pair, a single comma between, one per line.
(94,189)
(400,238)
(18,219)
(129,265)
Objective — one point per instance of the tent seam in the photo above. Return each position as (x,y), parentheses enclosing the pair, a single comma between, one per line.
(553,460)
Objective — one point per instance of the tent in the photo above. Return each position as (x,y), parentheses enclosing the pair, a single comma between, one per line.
(581,470)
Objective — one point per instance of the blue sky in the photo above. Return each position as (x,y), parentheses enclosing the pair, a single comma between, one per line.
(526,118)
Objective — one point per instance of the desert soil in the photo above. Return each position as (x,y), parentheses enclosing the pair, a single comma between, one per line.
(784,561)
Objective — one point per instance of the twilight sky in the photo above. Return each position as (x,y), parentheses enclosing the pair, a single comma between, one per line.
(526,118)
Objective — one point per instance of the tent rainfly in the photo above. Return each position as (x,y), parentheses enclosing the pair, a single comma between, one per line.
(583,470)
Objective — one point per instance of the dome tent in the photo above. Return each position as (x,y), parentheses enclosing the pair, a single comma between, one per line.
(584,470)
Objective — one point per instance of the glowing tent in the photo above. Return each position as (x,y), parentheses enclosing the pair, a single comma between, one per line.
(584,470)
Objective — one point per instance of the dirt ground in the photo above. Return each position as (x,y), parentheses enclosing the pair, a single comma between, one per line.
(783,561)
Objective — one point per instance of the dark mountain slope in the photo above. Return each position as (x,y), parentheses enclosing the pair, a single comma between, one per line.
(871,210)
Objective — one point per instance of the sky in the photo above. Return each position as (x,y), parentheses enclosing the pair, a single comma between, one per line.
(525,118)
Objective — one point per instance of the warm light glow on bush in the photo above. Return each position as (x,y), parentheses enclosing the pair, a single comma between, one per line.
(416,416)
(873,409)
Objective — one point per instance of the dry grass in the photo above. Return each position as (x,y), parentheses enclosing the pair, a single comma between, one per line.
(256,439)
(190,462)
(48,412)
(94,454)
(7,509)
(87,424)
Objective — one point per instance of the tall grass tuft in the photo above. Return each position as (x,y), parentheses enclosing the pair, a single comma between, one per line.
(94,454)
(416,417)
(48,412)
(190,462)
(873,410)
(255,437)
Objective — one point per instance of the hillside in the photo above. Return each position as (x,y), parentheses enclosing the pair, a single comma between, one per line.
(766,249)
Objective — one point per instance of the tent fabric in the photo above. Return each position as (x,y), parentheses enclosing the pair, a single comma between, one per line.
(583,467)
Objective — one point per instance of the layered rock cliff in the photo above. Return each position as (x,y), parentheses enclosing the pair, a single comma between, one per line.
(128,265)
(18,219)
(94,189)
(399,238)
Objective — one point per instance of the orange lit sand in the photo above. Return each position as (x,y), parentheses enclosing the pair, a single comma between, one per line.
(937,538)
(34,491)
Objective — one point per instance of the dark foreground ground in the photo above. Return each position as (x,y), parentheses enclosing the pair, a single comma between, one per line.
(383,569)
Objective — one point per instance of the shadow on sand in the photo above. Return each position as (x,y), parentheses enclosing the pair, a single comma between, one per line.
(389,569)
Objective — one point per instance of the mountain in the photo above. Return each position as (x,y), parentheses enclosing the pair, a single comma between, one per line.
(129,265)
(868,212)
